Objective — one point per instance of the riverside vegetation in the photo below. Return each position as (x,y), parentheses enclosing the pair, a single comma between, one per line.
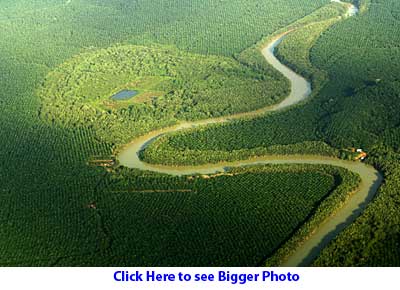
(56,210)
(48,193)
(357,107)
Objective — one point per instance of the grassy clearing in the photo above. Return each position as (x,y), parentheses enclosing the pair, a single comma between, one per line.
(195,87)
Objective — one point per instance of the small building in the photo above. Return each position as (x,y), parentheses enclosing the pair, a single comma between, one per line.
(353,154)
(361,156)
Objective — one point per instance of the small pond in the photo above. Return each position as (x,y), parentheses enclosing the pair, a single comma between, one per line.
(124,95)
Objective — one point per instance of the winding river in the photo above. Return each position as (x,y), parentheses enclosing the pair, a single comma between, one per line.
(300,90)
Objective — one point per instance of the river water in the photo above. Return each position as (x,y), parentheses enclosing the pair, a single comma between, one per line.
(300,90)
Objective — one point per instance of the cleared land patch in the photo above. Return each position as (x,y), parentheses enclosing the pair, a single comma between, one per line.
(172,85)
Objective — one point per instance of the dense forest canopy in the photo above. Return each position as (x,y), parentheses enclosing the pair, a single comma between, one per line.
(47,185)
(357,106)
